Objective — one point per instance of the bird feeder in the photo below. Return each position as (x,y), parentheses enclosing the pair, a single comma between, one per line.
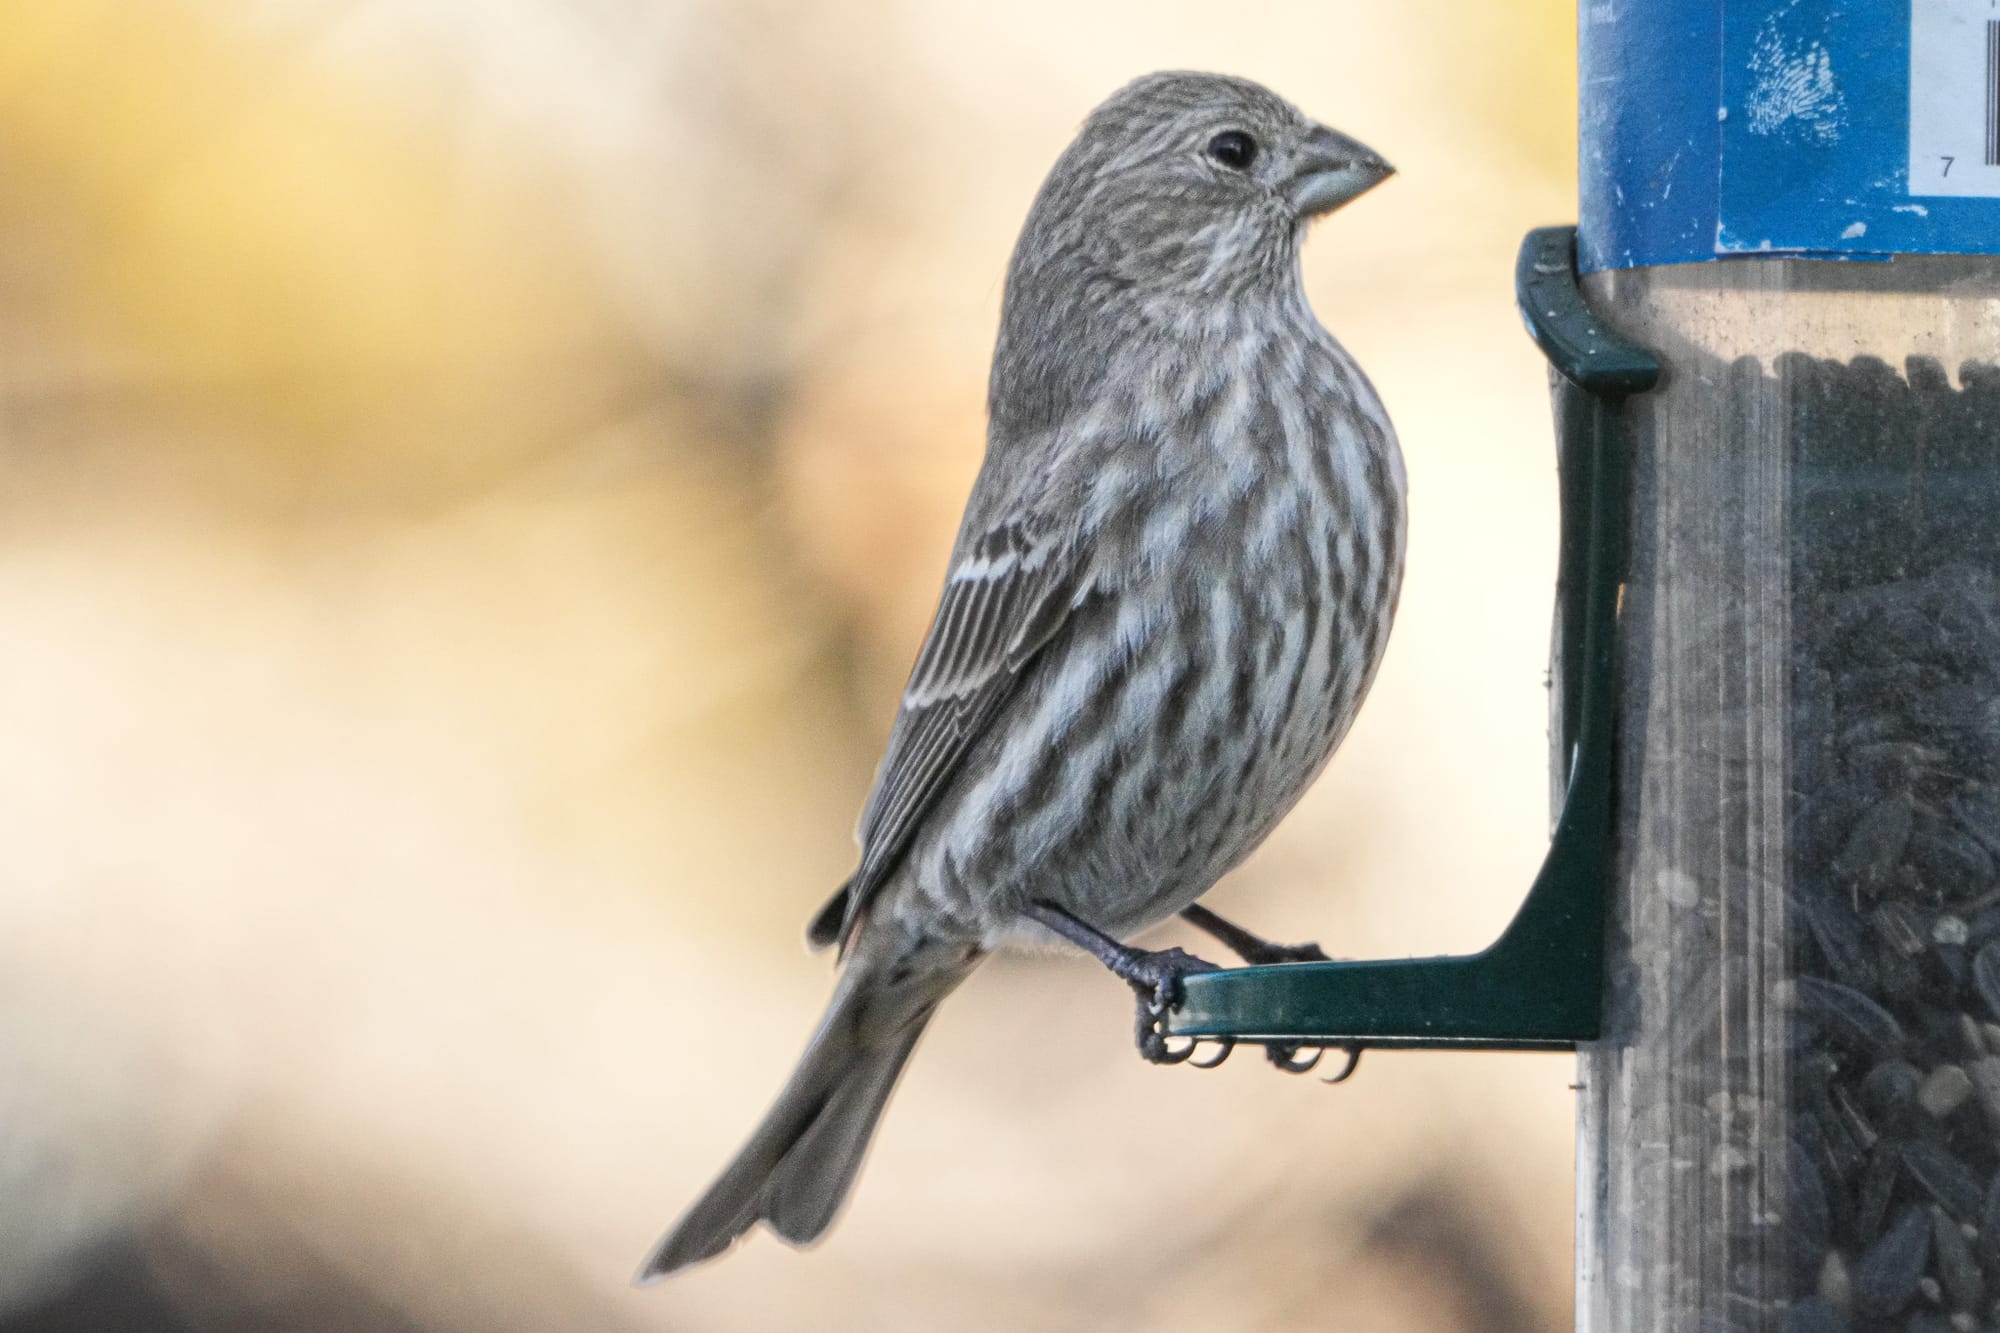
(1793,1118)
(1770,916)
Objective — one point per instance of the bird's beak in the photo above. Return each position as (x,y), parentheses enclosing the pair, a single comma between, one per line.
(1332,170)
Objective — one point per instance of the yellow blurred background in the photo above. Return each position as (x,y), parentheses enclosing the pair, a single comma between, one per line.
(472,479)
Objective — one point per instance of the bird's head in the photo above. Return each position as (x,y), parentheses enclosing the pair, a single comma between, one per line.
(1173,217)
(1195,184)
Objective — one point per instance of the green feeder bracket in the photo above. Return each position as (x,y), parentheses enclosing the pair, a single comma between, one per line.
(1540,985)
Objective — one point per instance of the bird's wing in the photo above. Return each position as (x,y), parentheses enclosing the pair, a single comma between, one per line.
(1006,596)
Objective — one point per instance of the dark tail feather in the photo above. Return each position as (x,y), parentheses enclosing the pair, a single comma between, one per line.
(812,1181)
(824,929)
(799,1164)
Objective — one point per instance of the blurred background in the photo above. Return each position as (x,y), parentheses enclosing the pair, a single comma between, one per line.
(472,479)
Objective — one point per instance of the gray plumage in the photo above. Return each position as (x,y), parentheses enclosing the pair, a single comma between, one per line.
(1172,586)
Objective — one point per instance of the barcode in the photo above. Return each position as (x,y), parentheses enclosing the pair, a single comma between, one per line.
(1954,98)
(1993,92)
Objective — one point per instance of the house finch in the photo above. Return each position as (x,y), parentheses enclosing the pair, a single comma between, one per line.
(1171,589)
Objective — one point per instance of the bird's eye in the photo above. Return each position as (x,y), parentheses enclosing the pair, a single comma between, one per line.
(1233,149)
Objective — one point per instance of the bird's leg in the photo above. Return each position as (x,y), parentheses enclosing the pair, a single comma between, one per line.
(1153,974)
(1256,950)
(1251,948)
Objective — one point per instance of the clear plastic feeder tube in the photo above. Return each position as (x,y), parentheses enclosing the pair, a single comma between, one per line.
(1793,1121)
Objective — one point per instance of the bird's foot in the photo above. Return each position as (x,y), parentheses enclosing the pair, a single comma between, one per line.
(1297,1058)
(1155,977)
(1252,948)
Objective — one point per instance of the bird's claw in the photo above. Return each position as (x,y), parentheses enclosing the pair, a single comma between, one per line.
(1153,1046)
(1155,1049)
(1353,1051)
(1156,979)
(1287,1056)
(1223,1046)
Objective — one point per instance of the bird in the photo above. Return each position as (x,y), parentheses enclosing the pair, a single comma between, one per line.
(1171,588)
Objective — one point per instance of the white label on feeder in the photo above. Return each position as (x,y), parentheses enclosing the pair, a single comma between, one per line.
(1955,97)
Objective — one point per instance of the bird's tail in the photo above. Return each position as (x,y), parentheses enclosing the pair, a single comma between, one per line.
(800,1163)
